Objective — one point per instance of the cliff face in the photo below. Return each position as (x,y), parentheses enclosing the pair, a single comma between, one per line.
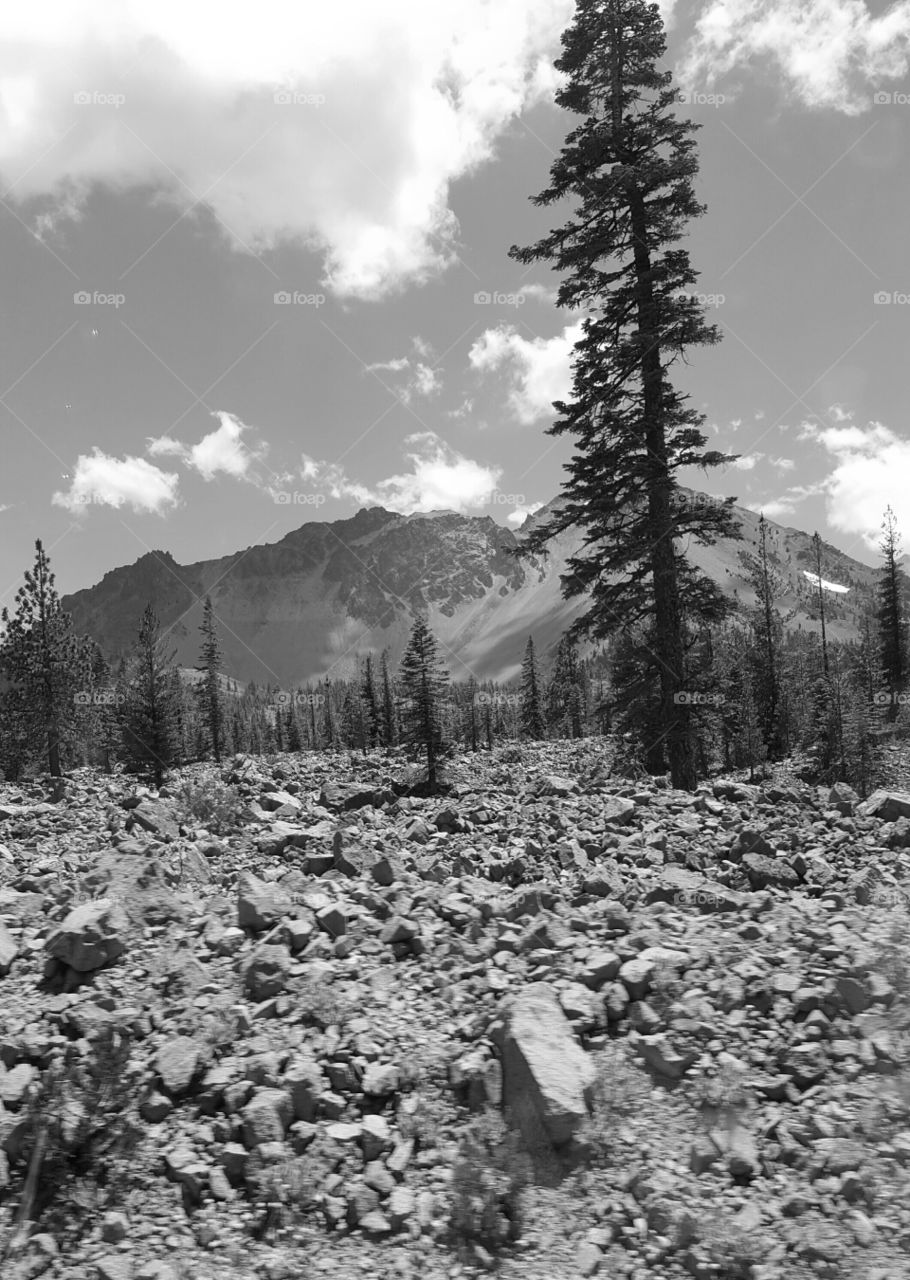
(329,592)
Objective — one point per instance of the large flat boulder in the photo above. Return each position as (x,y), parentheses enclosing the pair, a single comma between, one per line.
(887,805)
(547,1077)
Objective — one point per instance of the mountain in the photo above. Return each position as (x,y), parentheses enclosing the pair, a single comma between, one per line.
(329,592)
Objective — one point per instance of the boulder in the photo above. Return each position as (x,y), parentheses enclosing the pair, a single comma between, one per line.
(8,950)
(266,972)
(548,1079)
(259,903)
(91,936)
(886,805)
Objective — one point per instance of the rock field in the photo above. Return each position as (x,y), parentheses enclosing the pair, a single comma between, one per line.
(282,1050)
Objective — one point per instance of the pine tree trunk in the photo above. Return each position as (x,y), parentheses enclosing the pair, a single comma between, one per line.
(667,618)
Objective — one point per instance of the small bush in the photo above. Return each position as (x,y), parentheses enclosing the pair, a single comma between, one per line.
(210,804)
(322,1006)
(283,1193)
(82,1129)
(489,1181)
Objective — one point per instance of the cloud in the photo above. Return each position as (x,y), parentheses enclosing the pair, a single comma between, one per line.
(782,464)
(517,517)
(389,105)
(828,53)
(439,478)
(220,451)
(117,482)
(423,379)
(538,370)
(869,464)
(747,461)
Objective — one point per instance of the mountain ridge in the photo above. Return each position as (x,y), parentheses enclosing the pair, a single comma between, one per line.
(314,602)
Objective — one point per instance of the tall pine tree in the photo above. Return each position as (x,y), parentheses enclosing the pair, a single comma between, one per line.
(211,699)
(531,717)
(151,739)
(629,168)
(47,668)
(423,680)
(891,615)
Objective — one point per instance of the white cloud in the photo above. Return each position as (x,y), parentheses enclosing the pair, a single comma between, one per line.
(869,466)
(517,517)
(439,478)
(117,482)
(747,461)
(422,380)
(828,53)
(782,464)
(395,102)
(538,370)
(222,450)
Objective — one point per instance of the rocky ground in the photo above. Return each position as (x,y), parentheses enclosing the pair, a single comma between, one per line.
(265,1024)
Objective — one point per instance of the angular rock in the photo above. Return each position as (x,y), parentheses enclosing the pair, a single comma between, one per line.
(91,936)
(765,872)
(9,949)
(266,972)
(886,805)
(177,1062)
(548,1079)
(259,903)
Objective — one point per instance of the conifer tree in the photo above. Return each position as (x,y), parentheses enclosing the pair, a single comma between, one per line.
(46,667)
(891,616)
(565,695)
(150,719)
(369,699)
(423,680)
(389,724)
(629,167)
(767,626)
(820,597)
(211,702)
(531,716)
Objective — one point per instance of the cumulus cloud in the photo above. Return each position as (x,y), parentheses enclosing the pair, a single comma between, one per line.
(380,109)
(538,370)
(222,450)
(828,53)
(747,461)
(868,466)
(117,482)
(517,517)
(438,478)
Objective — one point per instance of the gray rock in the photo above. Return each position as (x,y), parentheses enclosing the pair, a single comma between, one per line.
(177,1062)
(886,805)
(266,972)
(91,936)
(548,1079)
(260,904)
(9,949)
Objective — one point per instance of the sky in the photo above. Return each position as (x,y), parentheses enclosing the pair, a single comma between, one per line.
(258,274)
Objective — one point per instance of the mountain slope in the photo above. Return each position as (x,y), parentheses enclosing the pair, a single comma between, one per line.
(329,592)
